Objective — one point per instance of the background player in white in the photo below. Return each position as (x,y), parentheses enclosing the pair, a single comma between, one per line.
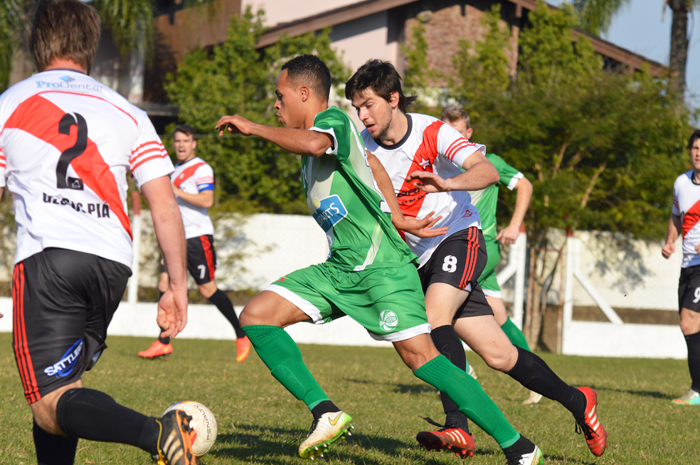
(66,145)
(485,201)
(423,157)
(193,185)
(685,220)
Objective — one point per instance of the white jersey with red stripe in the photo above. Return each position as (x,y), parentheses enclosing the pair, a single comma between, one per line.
(67,143)
(194,176)
(433,146)
(686,204)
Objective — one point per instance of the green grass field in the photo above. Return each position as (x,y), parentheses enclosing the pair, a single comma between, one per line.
(260,422)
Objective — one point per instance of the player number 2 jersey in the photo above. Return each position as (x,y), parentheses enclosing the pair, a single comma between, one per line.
(429,145)
(686,204)
(66,145)
(194,176)
(346,202)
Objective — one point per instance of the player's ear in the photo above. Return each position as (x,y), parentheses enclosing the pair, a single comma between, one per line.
(304,93)
(194,144)
(470,131)
(394,100)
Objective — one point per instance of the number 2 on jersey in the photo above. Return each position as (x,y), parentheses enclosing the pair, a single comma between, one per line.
(62,180)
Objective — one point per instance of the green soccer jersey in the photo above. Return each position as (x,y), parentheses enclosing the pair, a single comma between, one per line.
(485,200)
(346,202)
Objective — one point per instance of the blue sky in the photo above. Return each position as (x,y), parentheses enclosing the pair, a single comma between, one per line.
(638,27)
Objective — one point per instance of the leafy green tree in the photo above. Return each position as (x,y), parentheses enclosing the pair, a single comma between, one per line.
(602,149)
(235,77)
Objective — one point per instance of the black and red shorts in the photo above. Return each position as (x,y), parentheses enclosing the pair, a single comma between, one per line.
(459,261)
(63,302)
(689,289)
(201,259)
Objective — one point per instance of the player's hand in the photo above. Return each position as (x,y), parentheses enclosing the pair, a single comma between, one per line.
(172,312)
(235,124)
(428,182)
(422,228)
(668,249)
(508,235)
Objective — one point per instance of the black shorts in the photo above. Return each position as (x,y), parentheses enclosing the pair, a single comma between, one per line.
(201,259)
(63,302)
(689,289)
(459,261)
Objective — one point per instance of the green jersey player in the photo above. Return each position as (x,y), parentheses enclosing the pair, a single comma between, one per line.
(370,274)
(486,201)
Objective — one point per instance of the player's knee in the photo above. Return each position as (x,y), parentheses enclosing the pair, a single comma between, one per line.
(45,417)
(502,361)
(254,313)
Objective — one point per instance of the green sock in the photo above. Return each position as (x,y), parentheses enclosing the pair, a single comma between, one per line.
(282,356)
(515,335)
(471,399)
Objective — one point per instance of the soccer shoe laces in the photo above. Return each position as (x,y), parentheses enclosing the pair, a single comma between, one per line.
(442,427)
(582,427)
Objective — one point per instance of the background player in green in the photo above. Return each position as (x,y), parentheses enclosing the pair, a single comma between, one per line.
(370,274)
(486,201)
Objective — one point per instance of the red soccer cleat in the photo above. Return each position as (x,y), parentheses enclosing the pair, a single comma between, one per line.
(454,439)
(596,437)
(242,348)
(157,349)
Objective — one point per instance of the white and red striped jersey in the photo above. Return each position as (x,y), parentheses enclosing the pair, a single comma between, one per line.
(194,176)
(67,143)
(429,145)
(686,204)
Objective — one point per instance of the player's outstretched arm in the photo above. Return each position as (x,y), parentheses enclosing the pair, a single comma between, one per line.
(674,230)
(299,141)
(523,194)
(167,222)
(479,174)
(420,228)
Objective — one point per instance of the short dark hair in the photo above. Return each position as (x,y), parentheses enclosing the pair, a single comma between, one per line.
(311,71)
(68,29)
(454,114)
(695,136)
(382,78)
(186,129)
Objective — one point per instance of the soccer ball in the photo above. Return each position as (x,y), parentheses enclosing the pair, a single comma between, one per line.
(203,425)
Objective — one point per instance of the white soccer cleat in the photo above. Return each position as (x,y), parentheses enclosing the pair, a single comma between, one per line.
(533,458)
(324,432)
(691,398)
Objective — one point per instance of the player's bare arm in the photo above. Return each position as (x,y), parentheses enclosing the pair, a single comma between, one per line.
(420,228)
(204,199)
(167,222)
(299,141)
(479,173)
(523,194)
(674,230)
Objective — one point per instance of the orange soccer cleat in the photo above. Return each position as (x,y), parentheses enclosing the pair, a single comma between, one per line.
(454,439)
(157,349)
(596,437)
(242,348)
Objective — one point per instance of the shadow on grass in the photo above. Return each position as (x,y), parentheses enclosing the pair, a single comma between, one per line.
(567,460)
(652,394)
(400,388)
(247,444)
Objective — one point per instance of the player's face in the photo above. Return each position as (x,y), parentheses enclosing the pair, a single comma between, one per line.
(375,112)
(289,108)
(461,127)
(184,146)
(695,154)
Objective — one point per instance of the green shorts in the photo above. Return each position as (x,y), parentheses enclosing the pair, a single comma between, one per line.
(388,302)
(487,280)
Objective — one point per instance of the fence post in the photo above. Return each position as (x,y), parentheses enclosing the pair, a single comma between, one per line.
(136,232)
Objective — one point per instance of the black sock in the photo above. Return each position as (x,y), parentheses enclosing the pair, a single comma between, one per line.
(693,342)
(52,449)
(533,373)
(89,414)
(324,407)
(448,344)
(521,447)
(223,303)
(162,340)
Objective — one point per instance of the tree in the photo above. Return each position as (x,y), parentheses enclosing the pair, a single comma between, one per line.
(236,77)
(602,149)
(596,16)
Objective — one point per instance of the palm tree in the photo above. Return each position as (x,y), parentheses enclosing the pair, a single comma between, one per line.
(129,21)
(596,16)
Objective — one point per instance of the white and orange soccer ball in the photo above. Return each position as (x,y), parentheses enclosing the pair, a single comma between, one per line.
(203,425)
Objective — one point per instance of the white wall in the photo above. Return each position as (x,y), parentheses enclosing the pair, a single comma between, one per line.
(285,11)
